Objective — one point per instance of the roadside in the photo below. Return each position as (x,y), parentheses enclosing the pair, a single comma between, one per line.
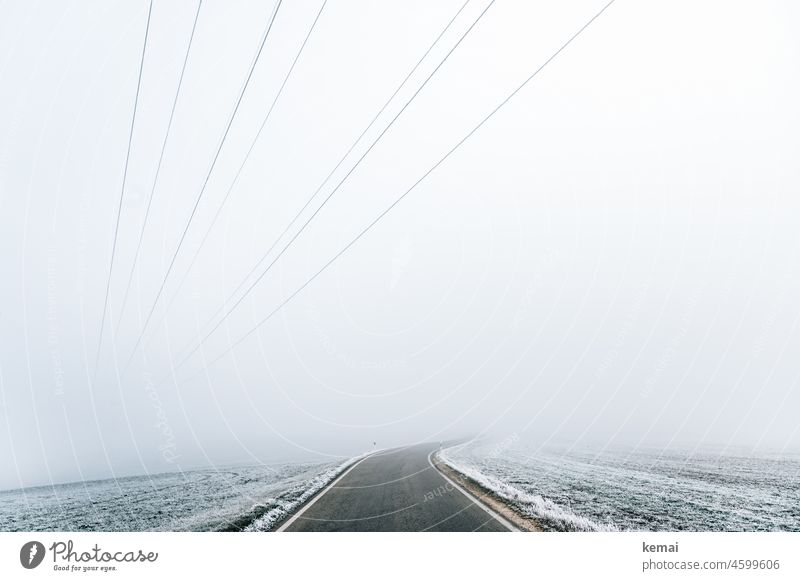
(270,515)
(486,496)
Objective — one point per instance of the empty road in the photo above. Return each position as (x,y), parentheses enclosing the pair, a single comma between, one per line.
(395,490)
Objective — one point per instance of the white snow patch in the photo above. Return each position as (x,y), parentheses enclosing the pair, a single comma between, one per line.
(543,510)
(289,501)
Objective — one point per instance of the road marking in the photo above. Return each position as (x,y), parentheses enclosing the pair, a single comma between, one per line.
(477,502)
(363,518)
(321,493)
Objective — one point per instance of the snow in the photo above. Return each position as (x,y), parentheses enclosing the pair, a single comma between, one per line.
(546,513)
(569,489)
(196,500)
(292,499)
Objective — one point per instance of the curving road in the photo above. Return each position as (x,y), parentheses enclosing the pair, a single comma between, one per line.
(394,490)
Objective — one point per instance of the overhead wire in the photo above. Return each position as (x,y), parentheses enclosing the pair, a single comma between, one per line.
(380,216)
(122,190)
(158,170)
(339,184)
(185,276)
(325,181)
(205,182)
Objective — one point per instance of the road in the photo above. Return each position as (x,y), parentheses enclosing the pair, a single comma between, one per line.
(395,490)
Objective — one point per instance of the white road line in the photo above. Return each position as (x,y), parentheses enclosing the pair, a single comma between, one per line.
(308,505)
(477,502)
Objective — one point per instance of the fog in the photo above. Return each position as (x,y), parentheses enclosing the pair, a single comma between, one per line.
(611,260)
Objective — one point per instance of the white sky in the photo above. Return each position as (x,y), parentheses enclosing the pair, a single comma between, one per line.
(611,260)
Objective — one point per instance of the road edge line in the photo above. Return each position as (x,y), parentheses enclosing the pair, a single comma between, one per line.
(470,496)
(319,495)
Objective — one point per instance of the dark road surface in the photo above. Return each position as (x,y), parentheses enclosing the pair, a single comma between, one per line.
(394,490)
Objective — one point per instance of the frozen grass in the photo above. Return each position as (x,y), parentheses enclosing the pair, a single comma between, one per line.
(196,500)
(545,512)
(653,489)
(282,506)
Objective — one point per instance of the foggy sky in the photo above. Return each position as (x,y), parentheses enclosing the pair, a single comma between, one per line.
(612,260)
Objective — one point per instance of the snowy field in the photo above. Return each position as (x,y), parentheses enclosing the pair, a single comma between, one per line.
(197,500)
(650,490)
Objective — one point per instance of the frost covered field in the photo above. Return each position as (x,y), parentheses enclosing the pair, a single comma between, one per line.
(254,496)
(641,490)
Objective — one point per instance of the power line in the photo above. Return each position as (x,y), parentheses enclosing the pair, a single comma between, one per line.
(122,189)
(401,197)
(335,189)
(330,174)
(239,171)
(158,168)
(205,182)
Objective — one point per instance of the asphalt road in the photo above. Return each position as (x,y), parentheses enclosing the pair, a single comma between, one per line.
(395,490)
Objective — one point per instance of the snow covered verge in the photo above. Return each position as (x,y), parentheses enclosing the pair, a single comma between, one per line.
(274,510)
(217,498)
(549,515)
